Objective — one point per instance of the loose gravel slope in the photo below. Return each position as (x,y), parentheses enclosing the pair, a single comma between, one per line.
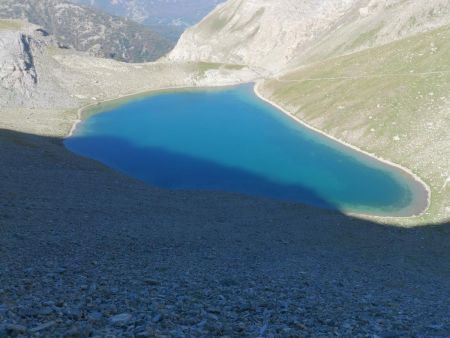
(85,251)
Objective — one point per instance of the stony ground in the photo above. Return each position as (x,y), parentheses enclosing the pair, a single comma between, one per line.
(87,252)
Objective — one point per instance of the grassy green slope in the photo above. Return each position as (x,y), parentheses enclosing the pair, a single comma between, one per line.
(392,101)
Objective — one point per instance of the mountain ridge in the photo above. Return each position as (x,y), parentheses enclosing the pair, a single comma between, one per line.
(268,34)
(162,16)
(85,29)
(157,11)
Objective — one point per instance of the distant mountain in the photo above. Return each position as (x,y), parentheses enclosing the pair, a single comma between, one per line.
(86,29)
(265,34)
(171,17)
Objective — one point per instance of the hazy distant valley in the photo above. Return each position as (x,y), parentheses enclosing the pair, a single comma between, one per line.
(158,12)
(128,31)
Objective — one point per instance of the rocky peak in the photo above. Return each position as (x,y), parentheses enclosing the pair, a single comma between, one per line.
(25,75)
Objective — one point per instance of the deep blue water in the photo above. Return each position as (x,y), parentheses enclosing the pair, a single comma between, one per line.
(229,140)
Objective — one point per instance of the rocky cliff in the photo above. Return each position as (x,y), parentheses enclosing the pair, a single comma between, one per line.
(27,76)
(17,70)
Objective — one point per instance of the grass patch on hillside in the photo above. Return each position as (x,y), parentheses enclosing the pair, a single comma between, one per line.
(10,25)
(366,38)
(388,100)
(400,77)
(205,66)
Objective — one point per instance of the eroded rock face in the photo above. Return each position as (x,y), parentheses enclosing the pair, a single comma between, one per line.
(17,70)
(29,77)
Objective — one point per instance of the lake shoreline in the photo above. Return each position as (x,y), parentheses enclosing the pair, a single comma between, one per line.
(405,170)
(81,110)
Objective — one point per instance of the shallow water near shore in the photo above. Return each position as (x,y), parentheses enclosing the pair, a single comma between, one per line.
(229,140)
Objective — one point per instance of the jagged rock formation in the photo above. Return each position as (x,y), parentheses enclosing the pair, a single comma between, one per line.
(26,79)
(17,70)
(85,29)
(278,35)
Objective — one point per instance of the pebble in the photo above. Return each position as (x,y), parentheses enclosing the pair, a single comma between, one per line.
(156,318)
(42,327)
(152,282)
(122,318)
(95,316)
(15,328)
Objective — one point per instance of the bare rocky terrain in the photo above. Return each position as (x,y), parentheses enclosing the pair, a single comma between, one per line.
(88,252)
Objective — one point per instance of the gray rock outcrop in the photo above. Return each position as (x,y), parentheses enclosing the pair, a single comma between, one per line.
(17,70)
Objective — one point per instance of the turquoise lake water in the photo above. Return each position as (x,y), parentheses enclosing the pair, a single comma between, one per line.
(230,140)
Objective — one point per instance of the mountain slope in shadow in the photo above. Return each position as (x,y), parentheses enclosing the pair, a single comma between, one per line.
(87,251)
